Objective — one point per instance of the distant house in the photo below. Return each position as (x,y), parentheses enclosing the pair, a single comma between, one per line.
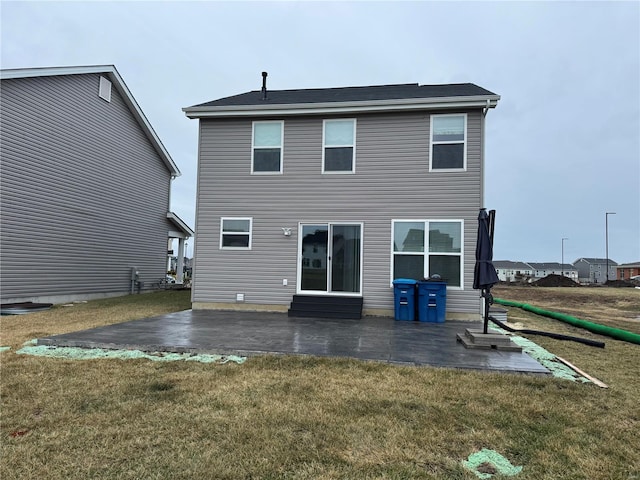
(569,271)
(594,270)
(509,271)
(84,187)
(627,270)
(326,194)
(182,232)
(541,270)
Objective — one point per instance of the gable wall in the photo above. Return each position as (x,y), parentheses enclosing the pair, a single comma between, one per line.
(84,194)
(392,181)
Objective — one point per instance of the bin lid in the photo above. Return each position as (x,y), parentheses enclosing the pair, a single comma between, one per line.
(404,281)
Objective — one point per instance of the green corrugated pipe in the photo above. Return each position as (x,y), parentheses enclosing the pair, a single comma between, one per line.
(612,332)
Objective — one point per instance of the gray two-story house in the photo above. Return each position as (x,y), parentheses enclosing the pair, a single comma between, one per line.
(85,188)
(594,270)
(335,192)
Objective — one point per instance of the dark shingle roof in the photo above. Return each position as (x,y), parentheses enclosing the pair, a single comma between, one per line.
(629,265)
(595,261)
(545,265)
(350,94)
(511,265)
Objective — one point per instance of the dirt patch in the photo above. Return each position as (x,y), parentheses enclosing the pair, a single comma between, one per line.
(621,284)
(556,281)
(486,467)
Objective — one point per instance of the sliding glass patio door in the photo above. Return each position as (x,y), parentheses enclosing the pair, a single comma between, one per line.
(330,258)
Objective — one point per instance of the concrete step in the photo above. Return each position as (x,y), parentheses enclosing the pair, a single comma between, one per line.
(318,306)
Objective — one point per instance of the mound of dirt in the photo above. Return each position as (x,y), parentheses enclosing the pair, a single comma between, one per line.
(556,281)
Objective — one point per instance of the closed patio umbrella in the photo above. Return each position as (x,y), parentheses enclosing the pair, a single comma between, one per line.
(484,273)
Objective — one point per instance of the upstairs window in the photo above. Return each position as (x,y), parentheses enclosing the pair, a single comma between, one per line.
(448,142)
(235,233)
(339,146)
(267,147)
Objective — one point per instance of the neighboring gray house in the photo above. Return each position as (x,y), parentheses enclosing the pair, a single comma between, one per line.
(541,270)
(332,193)
(84,189)
(594,270)
(509,271)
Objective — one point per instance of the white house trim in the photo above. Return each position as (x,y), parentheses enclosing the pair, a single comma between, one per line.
(331,108)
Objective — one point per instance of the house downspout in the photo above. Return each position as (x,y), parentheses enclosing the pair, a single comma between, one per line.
(171,179)
(485,110)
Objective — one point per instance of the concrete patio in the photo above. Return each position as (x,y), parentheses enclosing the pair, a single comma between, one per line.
(255,333)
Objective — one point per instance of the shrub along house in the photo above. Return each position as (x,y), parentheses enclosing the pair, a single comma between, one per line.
(331,193)
(85,187)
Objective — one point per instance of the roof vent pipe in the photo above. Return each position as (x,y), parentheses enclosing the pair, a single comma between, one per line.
(264,85)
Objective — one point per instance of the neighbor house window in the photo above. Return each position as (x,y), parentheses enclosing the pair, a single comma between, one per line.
(422,248)
(448,142)
(339,146)
(267,147)
(235,233)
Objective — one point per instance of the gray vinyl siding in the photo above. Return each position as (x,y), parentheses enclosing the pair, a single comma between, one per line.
(84,193)
(392,181)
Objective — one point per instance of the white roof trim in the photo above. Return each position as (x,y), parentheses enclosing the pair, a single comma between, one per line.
(118,82)
(403,104)
(178,222)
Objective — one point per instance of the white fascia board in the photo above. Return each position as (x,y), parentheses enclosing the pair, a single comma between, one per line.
(51,71)
(178,222)
(404,104)
(116,79)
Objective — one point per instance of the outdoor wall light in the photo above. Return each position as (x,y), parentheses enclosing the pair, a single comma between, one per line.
(286,231)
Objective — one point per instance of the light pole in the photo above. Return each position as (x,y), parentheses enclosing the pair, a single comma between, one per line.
(562,264)
(606,232)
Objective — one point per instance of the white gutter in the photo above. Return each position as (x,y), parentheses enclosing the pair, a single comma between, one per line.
(118,82)
(368,106)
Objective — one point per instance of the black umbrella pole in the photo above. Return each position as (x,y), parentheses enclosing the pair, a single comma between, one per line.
(492,225)
(486,309)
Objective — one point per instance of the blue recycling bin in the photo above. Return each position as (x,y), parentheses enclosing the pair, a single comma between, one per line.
(404,296)
(432,301)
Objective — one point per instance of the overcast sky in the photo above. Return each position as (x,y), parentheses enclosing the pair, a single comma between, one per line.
(563,145)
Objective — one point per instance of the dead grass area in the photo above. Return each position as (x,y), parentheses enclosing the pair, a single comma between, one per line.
(614,307)
(16,329)
(285,417)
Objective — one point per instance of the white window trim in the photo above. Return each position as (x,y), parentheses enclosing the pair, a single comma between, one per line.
(249,233)
(324,147)
(426,252)
(465,142)
(253,148)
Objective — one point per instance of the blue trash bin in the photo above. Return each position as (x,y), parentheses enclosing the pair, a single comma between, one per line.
(404,296)
(432,301)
